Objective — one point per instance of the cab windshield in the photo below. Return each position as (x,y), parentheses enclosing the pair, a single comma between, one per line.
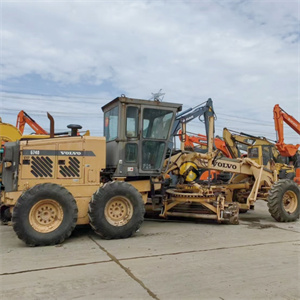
(156,123)
(156,128)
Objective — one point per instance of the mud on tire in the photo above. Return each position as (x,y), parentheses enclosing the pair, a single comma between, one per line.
(284,201)
(45,215)
(116,210)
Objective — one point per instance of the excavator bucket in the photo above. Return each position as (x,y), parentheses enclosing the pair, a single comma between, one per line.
(287,149)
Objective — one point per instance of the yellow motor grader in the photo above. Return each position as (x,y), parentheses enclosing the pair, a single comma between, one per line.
(51,185)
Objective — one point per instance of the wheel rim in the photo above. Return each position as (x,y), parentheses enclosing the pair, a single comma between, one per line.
(118,211)
(290,202)
(46,215)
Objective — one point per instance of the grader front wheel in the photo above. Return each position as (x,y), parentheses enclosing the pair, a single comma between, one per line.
(118,211)
(284,201)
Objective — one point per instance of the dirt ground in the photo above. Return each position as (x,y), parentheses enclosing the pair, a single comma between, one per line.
(258,259)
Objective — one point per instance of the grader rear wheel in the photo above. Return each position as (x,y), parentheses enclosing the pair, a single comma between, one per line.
(284,201)
(44,215)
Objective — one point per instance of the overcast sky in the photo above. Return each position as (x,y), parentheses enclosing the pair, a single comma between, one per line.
(72,57)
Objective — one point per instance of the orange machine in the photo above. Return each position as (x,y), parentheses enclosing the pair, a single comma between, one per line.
(23,119)
(281,116)
(288,150)
(201,140)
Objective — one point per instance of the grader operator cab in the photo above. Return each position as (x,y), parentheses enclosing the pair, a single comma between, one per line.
(50,185)
(137,134)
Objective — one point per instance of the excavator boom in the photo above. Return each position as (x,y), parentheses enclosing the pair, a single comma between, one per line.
(23,119)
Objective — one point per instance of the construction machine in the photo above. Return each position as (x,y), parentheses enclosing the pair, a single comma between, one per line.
(237,144)
(51,185)
(287,150)
(259,157)
(8,133)
(281,116)
(201,143)
(23,119)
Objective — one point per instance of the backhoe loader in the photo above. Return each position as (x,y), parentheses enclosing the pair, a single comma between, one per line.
(238,144)
(51,185)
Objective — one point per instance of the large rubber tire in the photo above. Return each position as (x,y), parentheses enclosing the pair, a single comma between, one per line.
(116,210)
(45,215)
(284,201)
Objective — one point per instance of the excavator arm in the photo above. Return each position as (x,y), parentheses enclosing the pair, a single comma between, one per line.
(281,116)
(23,119)
(204,109)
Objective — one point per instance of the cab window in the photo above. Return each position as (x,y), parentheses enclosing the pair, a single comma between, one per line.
(253,152)
(111,119)
(132,121)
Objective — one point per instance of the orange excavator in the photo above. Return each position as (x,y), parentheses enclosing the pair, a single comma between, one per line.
(201,140)
(23,119)
(288,150)
(281,116)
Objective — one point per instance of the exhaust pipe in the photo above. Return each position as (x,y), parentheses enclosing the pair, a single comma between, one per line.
(51,125)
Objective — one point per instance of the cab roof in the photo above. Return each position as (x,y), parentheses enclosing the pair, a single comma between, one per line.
(154,103)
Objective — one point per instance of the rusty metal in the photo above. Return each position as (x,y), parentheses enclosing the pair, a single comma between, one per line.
(232,213)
